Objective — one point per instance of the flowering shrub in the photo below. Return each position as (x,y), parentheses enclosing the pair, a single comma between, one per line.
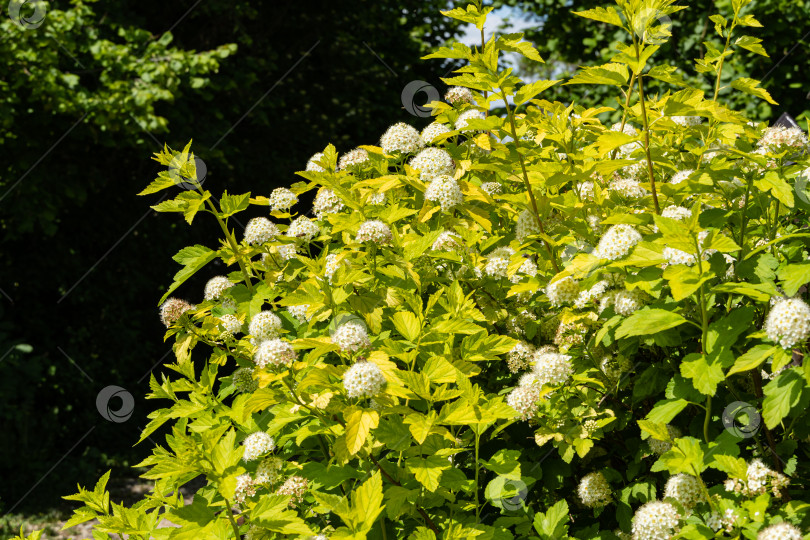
(532,325)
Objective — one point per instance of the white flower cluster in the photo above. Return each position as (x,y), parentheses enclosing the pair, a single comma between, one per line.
(295,487)
(326,202)
(243,380)
(526,225)
(498,262)
(627,188)
(662,447)
(655,520)
(626,302)
(528,268)
(685,489)
(256,445)
(458,94)
(230,326)
(172,309)
(726,520)
(269,471)
(299,312)
(780,531)
(216,286)
(594,490)
(363,379)
(551,368)
(617,242)
(432,162)
(779,138)
(353,159)
(245,488)
(680,176)
(758,479)
(494,188)
(433,130)
(275,352)
(282,199)
(260,230)
(332,265)
(687,121)
(447,241)
(401,138)
(676,212)
(377,199)
(788,322)
(444,190)
(562,291)
(523,399)
(375,231)
(351,337)
(464,119)
(519,357)
(312,166)
(264,325)
(627,130)
(303,227)
(676,256)
(585,190)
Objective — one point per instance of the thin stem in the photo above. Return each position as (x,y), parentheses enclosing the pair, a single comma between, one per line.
(624,111)
(477,508)
(646,135)
(510,113)
(745,217)
(704,334)
(232,243)
(230,518)
(720,64)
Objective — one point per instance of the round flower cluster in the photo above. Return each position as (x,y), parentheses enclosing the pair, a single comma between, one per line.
(617,242)
(264,325)
(216,286)
(562,291)
(685,489)
(260,230)
(590,426)
(628,129)
(662,447)
(523,399)
(299,312)
(676,256)
(243,380)
(363,379)
(312,166)
(433,130)
(375,231)
(377,199)
(676,212)
(528,268)
(680,176)
(788,322)
(447,241)
(256,445)
(526,225)
(519,357)
(172,309)
(627,188)
(444,190)
(758,479)
(230,326)
(326,202)
(331,266)
(458,94)
(726,521)
(432,162)
(245,488)
(304,228)
(626,302)
(274,352)
(779,138)
(552,368)
(351,337)
(494,188)
(780,531)
(687,121)
(286,251)
(268,471)
(585,190)
(282,199)
(498,262)
(594,490)
(595,223)
(655,520)
(401,138)
(464,119)
(353,159)
(295,487)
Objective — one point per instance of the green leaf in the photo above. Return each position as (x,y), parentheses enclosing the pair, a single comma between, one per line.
(612,74)
(706,374)
(513,43)
(685,456)
(407,324)
(752,44)
(752,359)
(667,74)
(427,470)
(607,15)
(193,259)
(163,181)
(529,91)
(781,395)
(655,430)
(751,87)
(231,204)
(735,467)
(778,187)
(665,411)
(359,422)
(685,280)
(793,276)
(751,290)
(505,463)
(367,502)
(649,321)
(551,524)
